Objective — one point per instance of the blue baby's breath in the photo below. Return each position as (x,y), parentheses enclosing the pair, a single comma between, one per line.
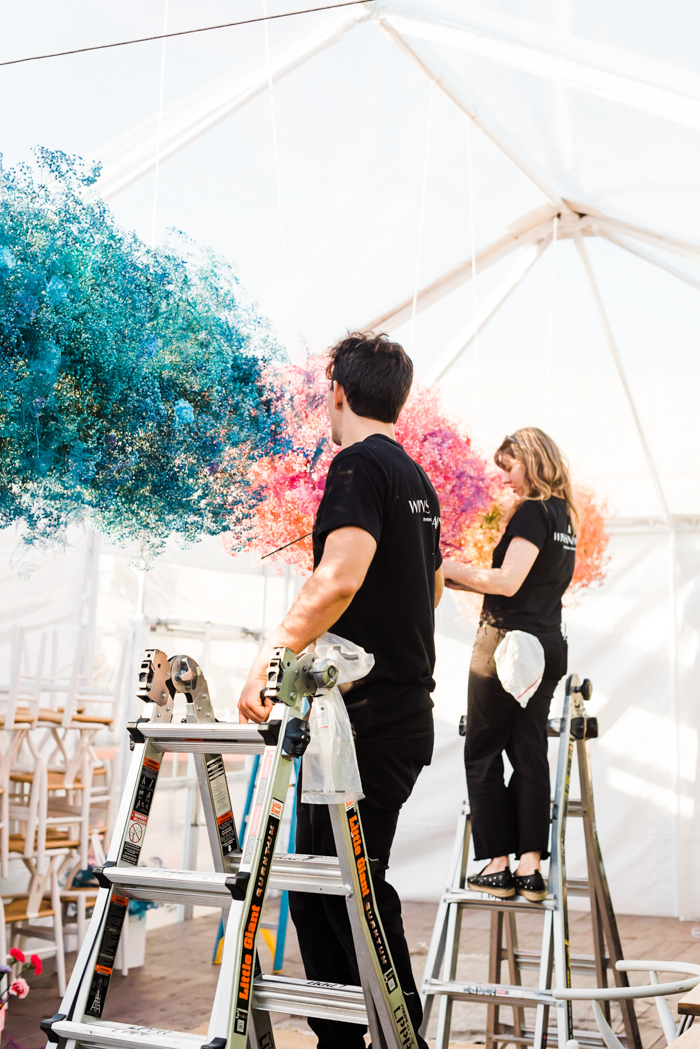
(132,391)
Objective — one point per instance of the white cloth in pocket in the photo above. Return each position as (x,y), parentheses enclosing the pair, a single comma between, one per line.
(520,664)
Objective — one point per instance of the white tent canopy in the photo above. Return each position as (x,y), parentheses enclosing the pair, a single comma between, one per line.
(511,189)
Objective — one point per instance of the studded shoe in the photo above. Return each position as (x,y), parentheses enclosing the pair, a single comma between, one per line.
(500,884)
(531,886)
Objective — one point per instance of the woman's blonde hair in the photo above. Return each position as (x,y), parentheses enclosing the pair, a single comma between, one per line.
(546,469)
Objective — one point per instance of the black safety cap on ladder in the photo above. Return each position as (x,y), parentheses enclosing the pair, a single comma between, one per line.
(215,1043)
(47,1026)
(238,885)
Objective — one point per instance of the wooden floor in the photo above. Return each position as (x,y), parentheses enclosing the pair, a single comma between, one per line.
(174,990)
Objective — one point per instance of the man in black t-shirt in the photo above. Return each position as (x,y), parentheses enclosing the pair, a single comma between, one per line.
(377,579)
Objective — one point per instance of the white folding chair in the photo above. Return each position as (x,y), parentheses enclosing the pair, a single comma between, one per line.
(654,989)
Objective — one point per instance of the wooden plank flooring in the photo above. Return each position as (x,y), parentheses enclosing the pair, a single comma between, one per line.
(175,988)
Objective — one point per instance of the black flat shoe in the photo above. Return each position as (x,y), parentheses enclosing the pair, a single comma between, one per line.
(500,884)
(531,886)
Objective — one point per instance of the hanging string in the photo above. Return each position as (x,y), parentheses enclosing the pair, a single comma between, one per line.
(550,333)
(160,122)
(181,32)
(421,217)
(275,149)
(472,238)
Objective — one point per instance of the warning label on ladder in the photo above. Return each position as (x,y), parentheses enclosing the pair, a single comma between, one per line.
(116,913)
(138,819)
(221,801)
(250,927)
(371,920)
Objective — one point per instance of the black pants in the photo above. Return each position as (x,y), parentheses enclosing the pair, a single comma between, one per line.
(512,819)
(389,767)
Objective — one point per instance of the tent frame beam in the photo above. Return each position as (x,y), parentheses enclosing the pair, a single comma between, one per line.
(528,230)
(488,308)
(648,256)
(605,323)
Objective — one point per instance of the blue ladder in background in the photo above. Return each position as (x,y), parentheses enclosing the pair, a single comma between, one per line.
(274,943)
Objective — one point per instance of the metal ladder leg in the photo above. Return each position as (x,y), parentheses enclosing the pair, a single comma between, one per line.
(456,877)
(598,883)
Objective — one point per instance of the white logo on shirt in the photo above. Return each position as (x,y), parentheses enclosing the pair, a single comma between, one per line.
(569,541)
(422,506)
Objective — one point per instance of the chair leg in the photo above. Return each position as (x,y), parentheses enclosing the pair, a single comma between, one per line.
(58,932)
(3,935)
(81,919)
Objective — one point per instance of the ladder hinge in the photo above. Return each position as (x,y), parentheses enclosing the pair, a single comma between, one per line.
(270,732)
(215,1043)
(237,886)
(296,738)
(98,875)
(47,1025)
(584,728)
(134,731)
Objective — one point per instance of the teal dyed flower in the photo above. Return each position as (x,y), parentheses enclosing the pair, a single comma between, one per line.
(132,380)
(184,413)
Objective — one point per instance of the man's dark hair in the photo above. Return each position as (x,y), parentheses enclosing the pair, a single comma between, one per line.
(375,374)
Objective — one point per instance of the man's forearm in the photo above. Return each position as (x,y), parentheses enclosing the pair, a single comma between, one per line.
(320,603)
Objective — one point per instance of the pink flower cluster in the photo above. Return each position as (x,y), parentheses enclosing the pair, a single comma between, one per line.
(293,481)
(473,503)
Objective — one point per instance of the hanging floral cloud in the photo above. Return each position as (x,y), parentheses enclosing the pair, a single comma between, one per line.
(291,483)
(132,390)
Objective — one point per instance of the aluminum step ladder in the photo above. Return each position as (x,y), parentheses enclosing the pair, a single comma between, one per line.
(244,996)
(440,982)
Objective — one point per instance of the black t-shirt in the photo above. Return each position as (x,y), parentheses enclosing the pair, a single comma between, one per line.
(376,486)
(536,607)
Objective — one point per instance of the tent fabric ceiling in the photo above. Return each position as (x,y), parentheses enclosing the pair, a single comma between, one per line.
(357,181)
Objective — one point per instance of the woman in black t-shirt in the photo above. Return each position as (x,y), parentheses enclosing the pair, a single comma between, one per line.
(532,567)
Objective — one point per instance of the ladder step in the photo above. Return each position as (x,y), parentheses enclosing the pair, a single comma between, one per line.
(208,889)
(578,887)
(505,994)
(125,1036)
(219,738)
(579,962)
(330,1001)
(467,898)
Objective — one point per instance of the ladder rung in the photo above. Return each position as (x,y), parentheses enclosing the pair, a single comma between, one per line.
(493,993)
(208,889)
(220,738)
(467,898)
(332,1001)
(584,1038)
(125,1036)
(578,887)
(574,808)
(579,962)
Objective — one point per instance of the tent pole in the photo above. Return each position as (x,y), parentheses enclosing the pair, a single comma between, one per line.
(623,377)
(648,257)
(459,275)
(435,68)
(657,240)
(487,309)
(676,105)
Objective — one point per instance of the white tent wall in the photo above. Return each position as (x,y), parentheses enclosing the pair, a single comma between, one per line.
(645,761)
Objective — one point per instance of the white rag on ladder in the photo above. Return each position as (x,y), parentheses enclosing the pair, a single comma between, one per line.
(520,664)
